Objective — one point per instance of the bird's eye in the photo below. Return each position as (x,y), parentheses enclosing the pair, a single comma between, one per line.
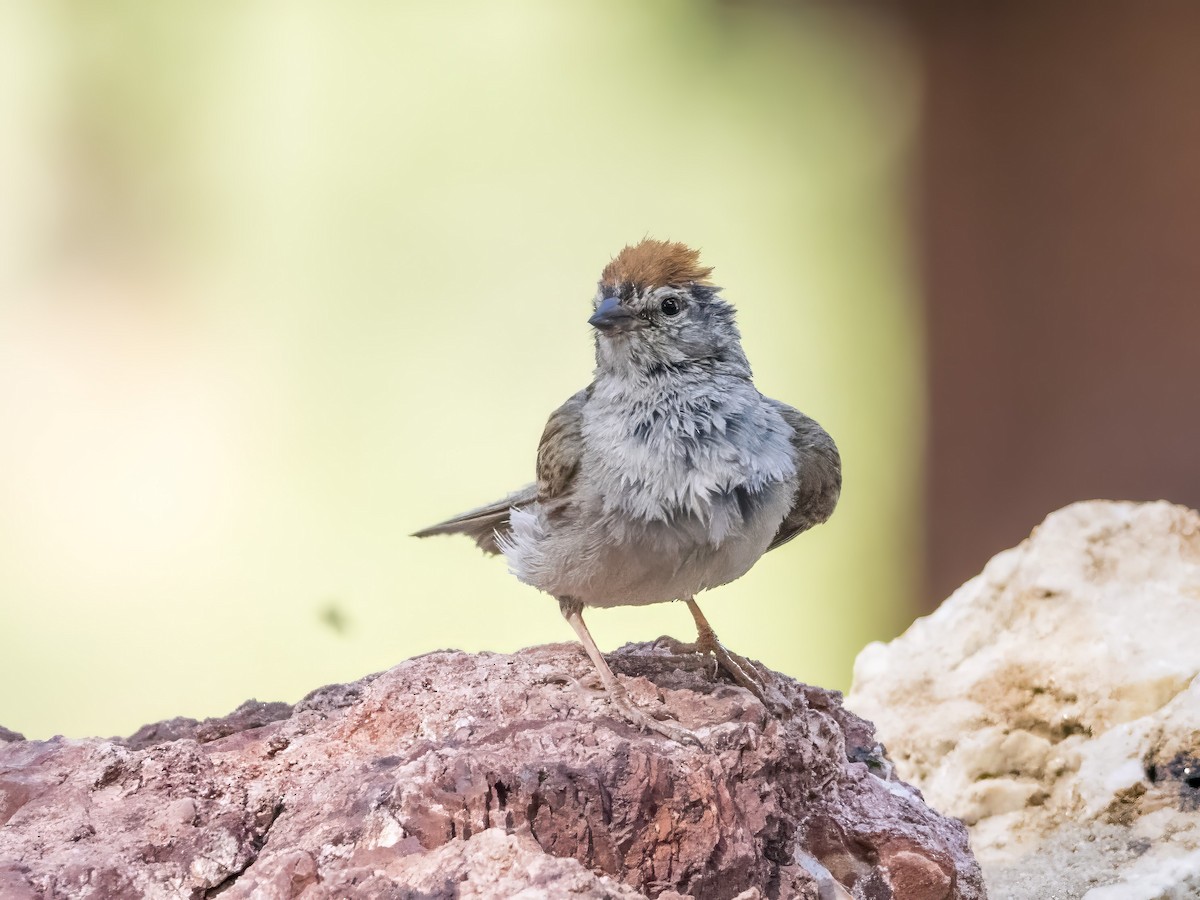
(670,307)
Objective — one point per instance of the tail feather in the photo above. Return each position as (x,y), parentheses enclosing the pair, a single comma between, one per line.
(486,524)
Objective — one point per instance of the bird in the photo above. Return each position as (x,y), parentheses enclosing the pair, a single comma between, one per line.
(669,474)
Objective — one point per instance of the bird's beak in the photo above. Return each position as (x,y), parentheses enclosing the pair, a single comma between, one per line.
(612,318)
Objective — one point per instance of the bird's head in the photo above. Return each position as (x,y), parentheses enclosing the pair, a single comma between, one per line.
(656,311)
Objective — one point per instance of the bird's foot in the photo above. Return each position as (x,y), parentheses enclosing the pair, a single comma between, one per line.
(572,611)
(747,675)
(744,672)
(617,695)
(677,647)
(644,722)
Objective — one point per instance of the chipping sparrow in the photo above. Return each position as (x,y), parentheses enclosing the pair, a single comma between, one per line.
(669,474)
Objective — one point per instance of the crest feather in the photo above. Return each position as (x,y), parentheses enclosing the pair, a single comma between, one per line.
(655,264)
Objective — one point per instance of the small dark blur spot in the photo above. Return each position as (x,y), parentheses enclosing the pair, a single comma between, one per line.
(1184,770)
(332,616)
(1139,846)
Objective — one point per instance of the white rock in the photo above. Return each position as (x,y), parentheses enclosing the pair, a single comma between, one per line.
(1053,703)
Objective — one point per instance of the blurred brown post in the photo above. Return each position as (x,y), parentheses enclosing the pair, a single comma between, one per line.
(1060,208)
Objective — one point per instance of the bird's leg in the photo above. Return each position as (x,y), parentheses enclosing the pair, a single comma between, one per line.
(706,642)
(742,670)
(572,611)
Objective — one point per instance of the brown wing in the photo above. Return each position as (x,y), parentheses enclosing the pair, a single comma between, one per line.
(819,468)
(561,448)
(557,462)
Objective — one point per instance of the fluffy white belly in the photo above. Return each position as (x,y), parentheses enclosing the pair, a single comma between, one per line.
(603,562)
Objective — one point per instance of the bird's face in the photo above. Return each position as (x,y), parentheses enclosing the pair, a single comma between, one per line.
(644,327)
(656,311)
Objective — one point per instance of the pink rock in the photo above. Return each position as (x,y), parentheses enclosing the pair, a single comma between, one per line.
(456,775)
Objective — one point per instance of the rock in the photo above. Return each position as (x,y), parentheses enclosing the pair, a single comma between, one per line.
(251,714)
(456,775)
(491,863)
(1053,703)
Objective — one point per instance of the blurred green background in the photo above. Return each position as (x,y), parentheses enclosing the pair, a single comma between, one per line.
(282,282)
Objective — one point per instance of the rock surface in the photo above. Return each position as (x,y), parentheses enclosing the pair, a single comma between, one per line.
(456,775)
(1053,703)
